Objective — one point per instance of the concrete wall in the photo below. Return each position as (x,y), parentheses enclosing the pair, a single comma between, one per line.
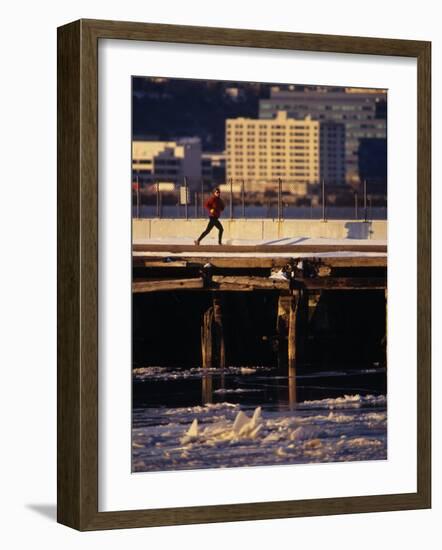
(261,229)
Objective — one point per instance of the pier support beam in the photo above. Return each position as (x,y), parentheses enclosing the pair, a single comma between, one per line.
(312,302)
(282,329)
(219,345)
(292,345)
(287,328)
(213,353)
(206,339)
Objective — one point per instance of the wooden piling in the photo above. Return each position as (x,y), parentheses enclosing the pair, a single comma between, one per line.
(282,329)
(287,329)
(183,269)
(292,345)
(302,325)
(218,333)
(206,338)
(293,315)
(213,353)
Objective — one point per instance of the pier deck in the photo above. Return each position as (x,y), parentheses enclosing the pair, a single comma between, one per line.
(297,274)
(315,265)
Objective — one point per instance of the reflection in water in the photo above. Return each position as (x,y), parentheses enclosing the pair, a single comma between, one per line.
(207,386)
(186,418)
(207,389)
(285,383)
(292,388)
(267,387)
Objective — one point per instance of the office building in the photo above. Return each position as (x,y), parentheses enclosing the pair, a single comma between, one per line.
(213,168)
(359,110)
(167,161)
(332,164)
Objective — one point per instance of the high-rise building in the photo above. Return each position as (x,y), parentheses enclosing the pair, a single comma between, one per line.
(167,161)
(373,164)
(357,109)
(332,152)
(261,151)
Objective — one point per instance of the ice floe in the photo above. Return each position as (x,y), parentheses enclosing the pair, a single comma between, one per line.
(227,435)
(237,390)
(168,374)
(348,401)
(191,434)
(242,427)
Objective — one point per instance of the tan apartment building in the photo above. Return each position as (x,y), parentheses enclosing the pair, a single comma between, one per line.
(260,151)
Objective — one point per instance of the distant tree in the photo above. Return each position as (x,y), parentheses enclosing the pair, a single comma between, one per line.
(170,108)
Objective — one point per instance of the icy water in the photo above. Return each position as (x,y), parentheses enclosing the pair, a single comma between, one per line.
(188,419)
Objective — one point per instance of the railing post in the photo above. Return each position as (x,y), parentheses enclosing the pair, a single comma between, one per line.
(186,211)
(231,198)
(279,198)
(243,199)
(356,206)
(365,200)
(138,196)
(323,200)
(196,204)
(202,198)
(158,198)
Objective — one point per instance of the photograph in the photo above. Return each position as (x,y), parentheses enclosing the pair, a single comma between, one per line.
(259,274)
(243,274)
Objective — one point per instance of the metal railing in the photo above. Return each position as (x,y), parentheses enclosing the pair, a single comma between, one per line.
(278,199)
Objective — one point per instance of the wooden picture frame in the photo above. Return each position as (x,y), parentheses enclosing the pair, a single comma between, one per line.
(78,274)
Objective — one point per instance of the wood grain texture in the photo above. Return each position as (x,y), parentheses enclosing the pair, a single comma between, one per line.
(166,284)
(257,510)
(249,282)
(68,277)
(77,277)
(343,283)
(211,36)
(89,275)
(424,275)
(77,385)
(250,263)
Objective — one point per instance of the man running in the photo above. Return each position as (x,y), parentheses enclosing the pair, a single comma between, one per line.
(215,206)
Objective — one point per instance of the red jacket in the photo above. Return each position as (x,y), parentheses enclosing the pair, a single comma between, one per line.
(216,204)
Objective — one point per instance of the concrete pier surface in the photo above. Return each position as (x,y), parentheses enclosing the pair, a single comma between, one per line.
(302,247)
(260,229)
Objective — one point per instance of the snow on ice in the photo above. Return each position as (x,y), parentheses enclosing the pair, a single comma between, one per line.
(348,428)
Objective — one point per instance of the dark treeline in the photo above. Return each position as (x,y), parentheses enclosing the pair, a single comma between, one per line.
(170,108)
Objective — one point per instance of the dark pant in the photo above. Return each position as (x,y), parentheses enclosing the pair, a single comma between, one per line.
(213,222)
